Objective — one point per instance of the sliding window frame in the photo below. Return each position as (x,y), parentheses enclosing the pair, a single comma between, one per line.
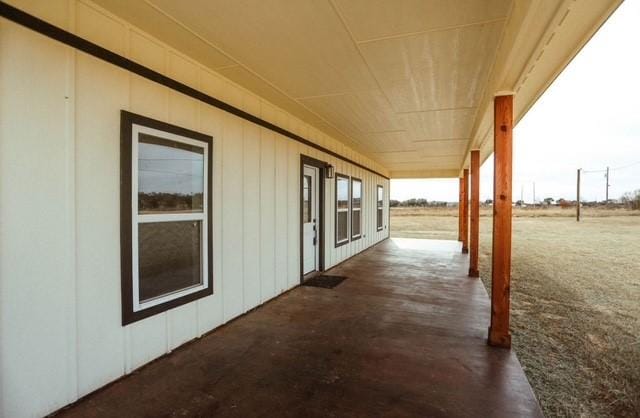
(355,237)
(379,208)
(338,210)
(131,126)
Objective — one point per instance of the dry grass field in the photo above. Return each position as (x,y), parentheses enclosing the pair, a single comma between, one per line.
(575,301)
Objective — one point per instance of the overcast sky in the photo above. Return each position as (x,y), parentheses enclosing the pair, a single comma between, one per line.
(163,169)
(589,118)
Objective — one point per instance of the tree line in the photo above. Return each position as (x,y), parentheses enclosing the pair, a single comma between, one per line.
(630,200)
(418,203)
(169,201)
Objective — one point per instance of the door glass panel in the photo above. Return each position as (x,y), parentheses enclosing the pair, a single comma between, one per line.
(170,176)
(169,257)
(306,199)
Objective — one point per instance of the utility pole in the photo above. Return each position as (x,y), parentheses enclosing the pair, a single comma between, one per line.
(534,194)
(578,198)
(606,201)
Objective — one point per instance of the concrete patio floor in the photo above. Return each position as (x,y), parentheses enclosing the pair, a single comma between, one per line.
(404,335)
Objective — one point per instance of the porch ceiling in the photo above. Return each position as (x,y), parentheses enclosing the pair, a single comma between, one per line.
(408,83)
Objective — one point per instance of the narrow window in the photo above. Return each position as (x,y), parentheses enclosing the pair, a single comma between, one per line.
(379,208)
(306,200)
(356,208)
(166,216)
(342,209)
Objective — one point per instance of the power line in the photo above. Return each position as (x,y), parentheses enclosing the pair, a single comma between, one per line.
(172,159)
(611,169)
(169,172)
(593,171)
(626,166)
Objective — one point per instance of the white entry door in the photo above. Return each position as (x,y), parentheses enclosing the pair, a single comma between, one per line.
(310,210)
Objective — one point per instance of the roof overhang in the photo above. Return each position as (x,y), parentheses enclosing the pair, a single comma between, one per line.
(408,83)
(540,40)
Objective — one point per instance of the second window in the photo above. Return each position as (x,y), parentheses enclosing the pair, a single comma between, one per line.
(342,209)
(356,208)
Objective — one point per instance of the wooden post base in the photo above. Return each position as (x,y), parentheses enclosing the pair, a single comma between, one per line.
(499,339)
(474,273)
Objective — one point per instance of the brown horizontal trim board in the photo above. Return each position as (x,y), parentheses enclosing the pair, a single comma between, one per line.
(47,29)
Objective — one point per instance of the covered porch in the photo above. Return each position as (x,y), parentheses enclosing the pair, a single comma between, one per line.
(403,335)
(371,91)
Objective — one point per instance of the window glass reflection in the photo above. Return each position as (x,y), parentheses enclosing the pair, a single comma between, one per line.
(342,185)
(169,257)
(170,176)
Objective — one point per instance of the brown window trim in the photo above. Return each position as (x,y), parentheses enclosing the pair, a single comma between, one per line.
(381,226)
(346,241)
(127,120)
(354,179)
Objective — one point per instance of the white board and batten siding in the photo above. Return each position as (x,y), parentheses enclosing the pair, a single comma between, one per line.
(60,310)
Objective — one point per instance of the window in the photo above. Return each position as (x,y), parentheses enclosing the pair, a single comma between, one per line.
(166,206)
(342,209)
(356,208)
(379,208)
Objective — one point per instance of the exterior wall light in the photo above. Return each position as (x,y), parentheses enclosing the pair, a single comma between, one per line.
(330,170)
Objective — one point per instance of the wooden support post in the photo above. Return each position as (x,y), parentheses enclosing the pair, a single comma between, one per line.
(499,334)
(465,212)
(460,200)
(474,238)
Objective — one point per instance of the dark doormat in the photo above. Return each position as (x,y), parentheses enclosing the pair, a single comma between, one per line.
(324,281)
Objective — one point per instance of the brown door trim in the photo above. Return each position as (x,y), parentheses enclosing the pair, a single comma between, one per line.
(321,166)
